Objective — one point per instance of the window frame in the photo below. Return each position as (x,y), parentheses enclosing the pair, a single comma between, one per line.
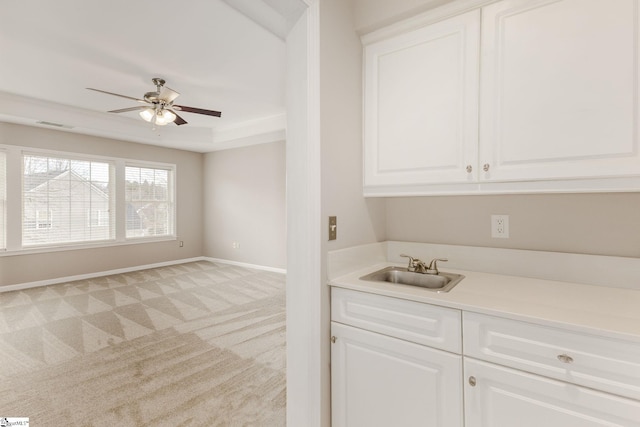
(44,218)
(171,188)
(14,156)
(3,199)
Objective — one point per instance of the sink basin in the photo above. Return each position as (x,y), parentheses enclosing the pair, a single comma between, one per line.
(442,282)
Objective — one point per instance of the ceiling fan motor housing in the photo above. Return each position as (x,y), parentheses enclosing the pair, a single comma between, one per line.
(153,97)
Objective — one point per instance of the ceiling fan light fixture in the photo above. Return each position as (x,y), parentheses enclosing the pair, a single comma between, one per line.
(147,114)
(165,117)
(162,117)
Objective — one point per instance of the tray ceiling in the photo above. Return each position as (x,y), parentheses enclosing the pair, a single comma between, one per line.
(219,55)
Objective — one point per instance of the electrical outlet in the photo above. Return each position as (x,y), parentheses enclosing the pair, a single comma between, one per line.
(500,226)
(235,245)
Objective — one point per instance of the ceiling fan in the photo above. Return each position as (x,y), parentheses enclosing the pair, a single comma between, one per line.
(158,107)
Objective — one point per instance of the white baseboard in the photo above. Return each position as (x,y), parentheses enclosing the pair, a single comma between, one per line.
(27,285)
(244,264)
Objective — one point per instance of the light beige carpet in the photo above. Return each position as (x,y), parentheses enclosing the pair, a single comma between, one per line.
(197,344)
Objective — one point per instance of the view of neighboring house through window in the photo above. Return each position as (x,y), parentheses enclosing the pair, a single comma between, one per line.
(3,196)
(54,199)
(149,198)
(66,200)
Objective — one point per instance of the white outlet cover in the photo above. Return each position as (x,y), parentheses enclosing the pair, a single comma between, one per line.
(500,226)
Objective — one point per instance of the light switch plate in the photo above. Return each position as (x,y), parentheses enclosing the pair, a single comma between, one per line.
(333,228)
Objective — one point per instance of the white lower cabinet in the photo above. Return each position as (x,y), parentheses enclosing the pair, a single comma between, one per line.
(403,363)
(496,396)
(394,362)
(382,381)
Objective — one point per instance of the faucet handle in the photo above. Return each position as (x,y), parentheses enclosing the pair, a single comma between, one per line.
(412,261)
(433,265)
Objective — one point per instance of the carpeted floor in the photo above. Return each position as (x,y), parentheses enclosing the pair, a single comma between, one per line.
(197,344)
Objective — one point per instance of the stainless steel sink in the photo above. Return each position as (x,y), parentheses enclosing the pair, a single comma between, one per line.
(442,282)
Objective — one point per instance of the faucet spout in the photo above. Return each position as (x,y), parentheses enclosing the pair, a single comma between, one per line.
(418,266)
(415,264)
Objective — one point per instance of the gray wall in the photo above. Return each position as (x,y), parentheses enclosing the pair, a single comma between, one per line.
(245,203)
(360,220)
(600,224)
(44,266)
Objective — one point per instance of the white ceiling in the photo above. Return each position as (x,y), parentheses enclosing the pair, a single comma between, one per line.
(220,55)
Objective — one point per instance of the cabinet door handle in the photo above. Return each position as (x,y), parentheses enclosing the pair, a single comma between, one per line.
(333,339)
(472,381)
(469,169)
(565,358)
(485,167)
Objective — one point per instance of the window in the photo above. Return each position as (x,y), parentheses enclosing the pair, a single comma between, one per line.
(58,192)
(149,199)
(57,200)
(3,196)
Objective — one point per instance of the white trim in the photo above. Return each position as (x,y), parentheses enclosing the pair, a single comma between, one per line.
(246,265)
(58,280)
(422,19)
(307,401)
(595,185)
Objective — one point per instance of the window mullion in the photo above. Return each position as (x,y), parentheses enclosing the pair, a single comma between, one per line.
(14,198)
(120,216)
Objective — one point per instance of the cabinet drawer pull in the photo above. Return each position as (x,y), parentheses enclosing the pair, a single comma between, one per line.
(469,169)
(472,381)
(565,358)
(485,167)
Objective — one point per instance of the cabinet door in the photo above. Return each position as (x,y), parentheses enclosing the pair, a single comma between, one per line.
(503,397)
(559,89)
(421,113)
(383,381)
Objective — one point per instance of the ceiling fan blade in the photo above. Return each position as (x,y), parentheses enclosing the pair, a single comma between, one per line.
(198,110)
(179,120)
(117,94)
(168,95)
(124,110)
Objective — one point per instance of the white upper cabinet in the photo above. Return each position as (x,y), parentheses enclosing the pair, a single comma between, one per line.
(421,100)
(533,96)
(559,89)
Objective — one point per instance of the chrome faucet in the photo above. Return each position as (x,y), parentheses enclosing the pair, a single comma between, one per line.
(418,266)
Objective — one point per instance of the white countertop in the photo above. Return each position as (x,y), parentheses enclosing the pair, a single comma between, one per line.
(600,310)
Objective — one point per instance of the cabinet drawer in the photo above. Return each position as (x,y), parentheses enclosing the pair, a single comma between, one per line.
(606,364)
(420,323)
